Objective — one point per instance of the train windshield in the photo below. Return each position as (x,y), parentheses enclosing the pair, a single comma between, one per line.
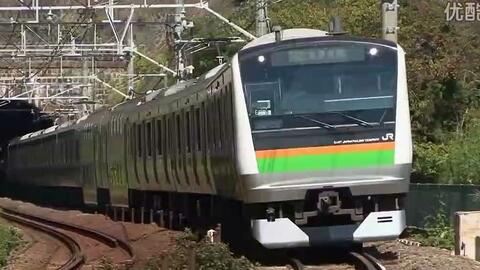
(351,82)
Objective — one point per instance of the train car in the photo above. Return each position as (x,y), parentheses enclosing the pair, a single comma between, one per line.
(309,133)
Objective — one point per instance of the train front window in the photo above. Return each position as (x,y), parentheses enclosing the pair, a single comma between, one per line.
(352,80)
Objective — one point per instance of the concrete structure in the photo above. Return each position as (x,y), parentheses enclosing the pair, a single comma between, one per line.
(467,234)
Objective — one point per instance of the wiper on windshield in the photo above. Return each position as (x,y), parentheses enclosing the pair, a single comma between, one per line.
(358,120)
(322,124)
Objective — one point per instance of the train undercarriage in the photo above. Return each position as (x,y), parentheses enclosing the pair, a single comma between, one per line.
(324,217)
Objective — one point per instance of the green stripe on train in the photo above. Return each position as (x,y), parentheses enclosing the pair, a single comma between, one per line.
(325,161)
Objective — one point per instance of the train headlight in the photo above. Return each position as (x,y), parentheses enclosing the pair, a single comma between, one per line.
(261,59)
(373,51)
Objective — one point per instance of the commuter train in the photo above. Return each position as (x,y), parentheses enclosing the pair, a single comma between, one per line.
(304,136)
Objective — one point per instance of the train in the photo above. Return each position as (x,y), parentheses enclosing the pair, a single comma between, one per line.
(303,136)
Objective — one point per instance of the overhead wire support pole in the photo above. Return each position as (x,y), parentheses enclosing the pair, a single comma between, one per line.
(390,20)
(111,87)
(174,73)
(261,21)
(204,5)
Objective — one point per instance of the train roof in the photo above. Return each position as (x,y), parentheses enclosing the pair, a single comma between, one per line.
(287,34)
(169,93)
(304,35)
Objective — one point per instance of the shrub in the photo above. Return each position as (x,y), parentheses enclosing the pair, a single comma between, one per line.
(191,253)
(10,238)
(438,231)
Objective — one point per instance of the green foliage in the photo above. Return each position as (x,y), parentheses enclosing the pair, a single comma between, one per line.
(10,238)
(438,231)
(106,264)
(429,160)
(453,162)
(464,156)
(218,256)
(193,254)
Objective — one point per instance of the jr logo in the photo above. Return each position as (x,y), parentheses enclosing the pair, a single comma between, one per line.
(388,137)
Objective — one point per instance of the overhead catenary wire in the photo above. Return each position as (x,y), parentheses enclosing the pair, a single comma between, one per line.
(56,52)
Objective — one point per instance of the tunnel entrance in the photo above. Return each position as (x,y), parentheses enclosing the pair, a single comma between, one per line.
(16,119)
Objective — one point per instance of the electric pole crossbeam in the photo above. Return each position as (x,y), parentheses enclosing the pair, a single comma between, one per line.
(106,35)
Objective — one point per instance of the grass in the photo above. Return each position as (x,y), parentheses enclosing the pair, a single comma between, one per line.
(9,239)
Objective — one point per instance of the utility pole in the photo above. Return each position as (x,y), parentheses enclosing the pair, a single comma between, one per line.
(131,62)
(390,20)
(261,22)
(179,27)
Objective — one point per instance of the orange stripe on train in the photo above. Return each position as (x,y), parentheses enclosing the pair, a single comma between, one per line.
(325,150)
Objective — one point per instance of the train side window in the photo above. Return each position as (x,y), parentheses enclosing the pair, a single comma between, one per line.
(77,150)
(198,130)
(159,137)
(139,140)
(179,136)
(219,122)
(171,136)
(149,139)
(67,150)
(133,139)
(213,117)
(187,132)
(207,124)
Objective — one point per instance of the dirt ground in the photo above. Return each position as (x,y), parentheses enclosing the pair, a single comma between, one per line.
(44,251)
(151,241)
(397,256)
(148,240)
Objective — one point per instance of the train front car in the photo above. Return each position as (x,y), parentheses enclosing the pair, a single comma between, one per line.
(323,138)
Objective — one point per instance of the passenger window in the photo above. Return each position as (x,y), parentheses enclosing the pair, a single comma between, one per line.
(139,140)
(207,124)
(159,137)
(179,136)
(219,122)
(171,136)
(149,139)
(187,131)
(198,129)
(214,126)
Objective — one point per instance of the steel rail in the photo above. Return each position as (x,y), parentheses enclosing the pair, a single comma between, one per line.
(107,239)
(77,258)
(296,264)
(366,261)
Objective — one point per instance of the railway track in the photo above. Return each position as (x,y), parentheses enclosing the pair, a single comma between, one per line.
(361,261)
(63,232)
(365,261)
